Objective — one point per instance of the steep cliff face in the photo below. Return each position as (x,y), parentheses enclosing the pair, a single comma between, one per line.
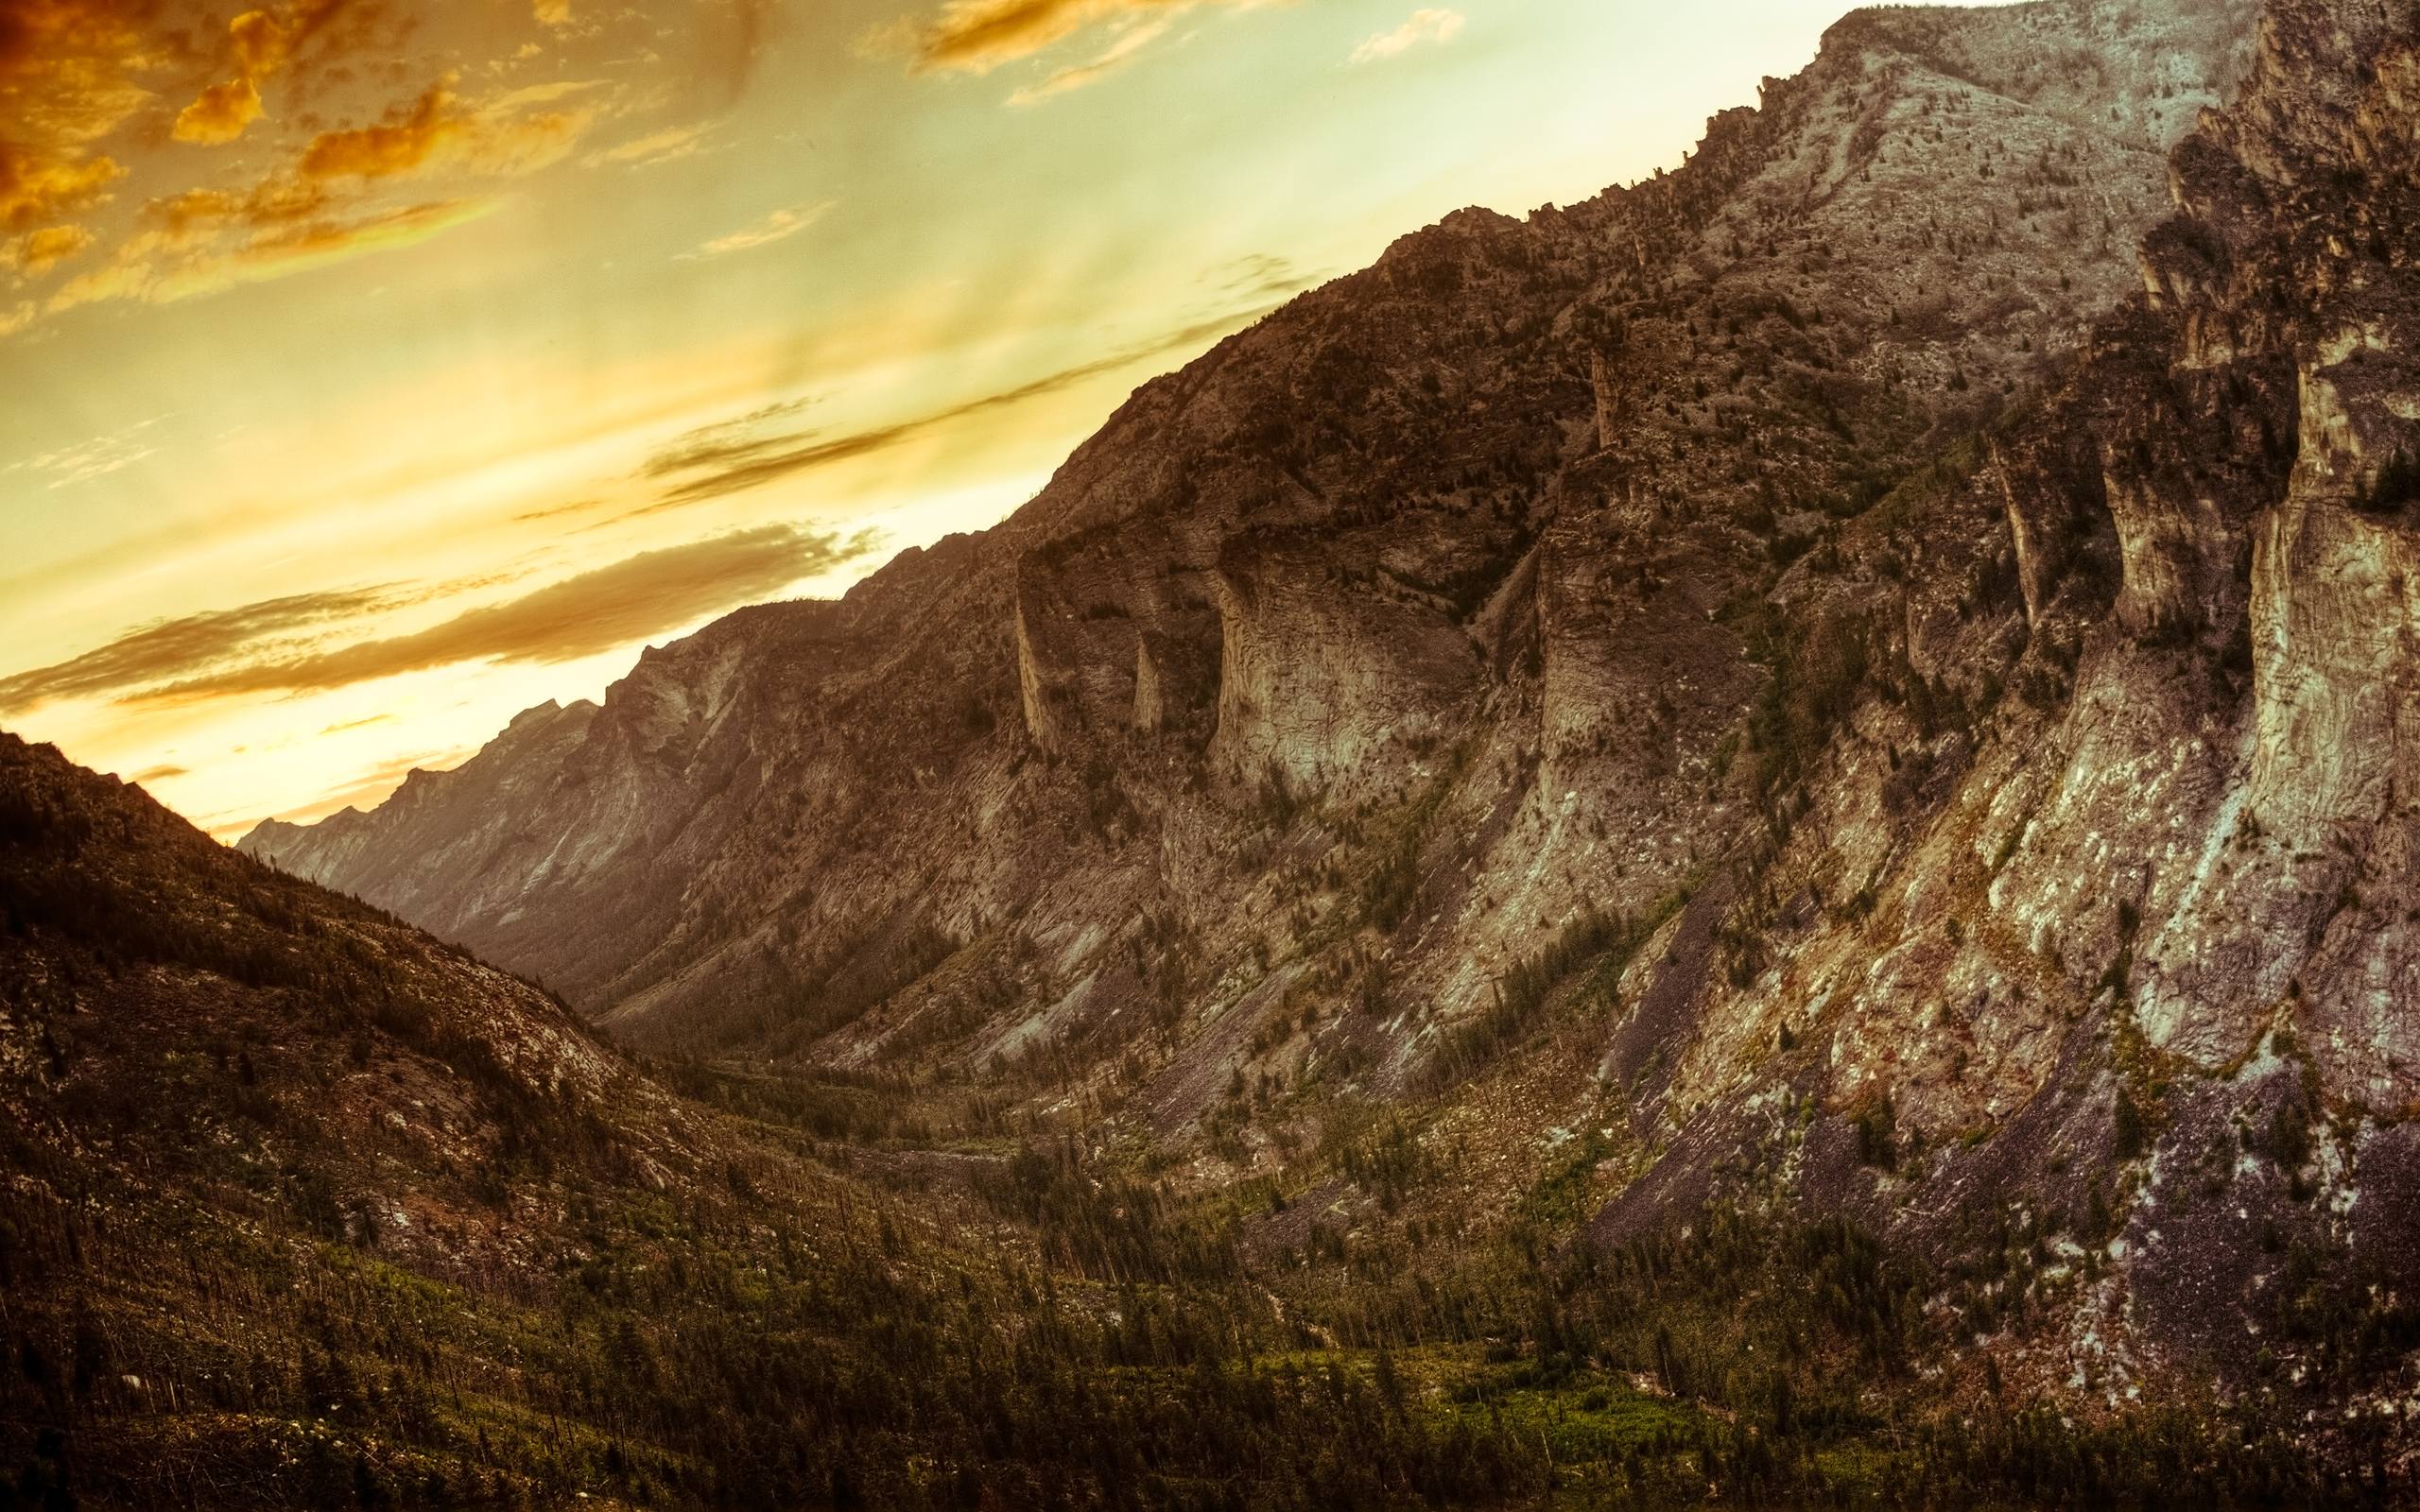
(2125,934)
(1388,675)
(1828,677)
(1314,557)
(2256,491)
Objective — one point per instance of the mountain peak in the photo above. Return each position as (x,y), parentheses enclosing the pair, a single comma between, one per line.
(1806,666)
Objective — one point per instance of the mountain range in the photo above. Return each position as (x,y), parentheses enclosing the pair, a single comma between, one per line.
(1756,830)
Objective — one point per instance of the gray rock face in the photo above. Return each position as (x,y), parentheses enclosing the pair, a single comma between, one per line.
(1876,619)
(1386,672)
(1290,557)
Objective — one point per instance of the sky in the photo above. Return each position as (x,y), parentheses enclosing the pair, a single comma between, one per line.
(374,370)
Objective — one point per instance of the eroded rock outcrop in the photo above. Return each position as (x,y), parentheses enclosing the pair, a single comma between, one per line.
(1326,680)
(1870,672)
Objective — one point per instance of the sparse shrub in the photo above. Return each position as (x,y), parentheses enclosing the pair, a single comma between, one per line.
(2129,1130)
(1876,1125)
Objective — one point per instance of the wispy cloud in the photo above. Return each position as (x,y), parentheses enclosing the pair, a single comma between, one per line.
(1123,50)
(183,647)
(672,143)
(779,226)
(978,36)
(556,512)
(1258,276)
(97,458)
(363,723)
(161,266)
(1431,25)
(282,645)
(728,440)
(595,612)
(718,468)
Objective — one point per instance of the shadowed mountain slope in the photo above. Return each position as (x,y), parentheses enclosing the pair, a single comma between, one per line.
(1864,676)
(302,1209)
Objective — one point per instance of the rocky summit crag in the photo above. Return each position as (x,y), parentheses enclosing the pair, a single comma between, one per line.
(1873,675)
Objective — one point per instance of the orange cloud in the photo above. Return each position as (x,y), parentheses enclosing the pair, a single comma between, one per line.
(219,113)
(280,250)
(67,73)
(504,136)
(329,202)
(36,187)
(74,73)
(199,213)
(398,144)
(322,240)
(37,252)
(978,36)
(259,44)
(159,268)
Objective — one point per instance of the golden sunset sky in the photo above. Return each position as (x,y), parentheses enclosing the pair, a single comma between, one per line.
(376,368)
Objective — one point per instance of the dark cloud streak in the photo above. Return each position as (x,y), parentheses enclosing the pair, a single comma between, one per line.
(595,612)
(976,36)
(180,647)
(278,646)
(739,465)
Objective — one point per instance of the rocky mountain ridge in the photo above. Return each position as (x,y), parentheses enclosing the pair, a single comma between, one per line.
(1823,678)
(1450,408)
